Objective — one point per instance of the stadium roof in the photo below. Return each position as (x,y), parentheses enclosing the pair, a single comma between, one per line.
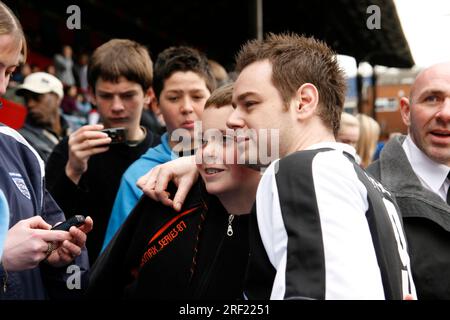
(218,27)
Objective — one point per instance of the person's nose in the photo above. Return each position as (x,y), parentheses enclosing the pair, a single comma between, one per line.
(210,153)
(187,106)
(444,112)
(117,104)
(235,120)
(31,103)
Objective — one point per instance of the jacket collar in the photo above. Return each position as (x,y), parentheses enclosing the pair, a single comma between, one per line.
(404,183)
(433,174)
(65,128)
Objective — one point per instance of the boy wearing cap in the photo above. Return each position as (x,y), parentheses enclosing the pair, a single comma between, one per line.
(44,126)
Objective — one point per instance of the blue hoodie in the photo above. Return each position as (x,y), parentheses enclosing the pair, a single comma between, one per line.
(4,220)
(129,194)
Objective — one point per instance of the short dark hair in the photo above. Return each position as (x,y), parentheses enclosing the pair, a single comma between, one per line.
(297,60)
(182,59)
(121,58)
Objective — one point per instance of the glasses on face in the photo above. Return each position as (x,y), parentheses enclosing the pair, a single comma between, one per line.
(28,95)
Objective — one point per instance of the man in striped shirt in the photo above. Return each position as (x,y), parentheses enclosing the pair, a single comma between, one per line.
(323,228)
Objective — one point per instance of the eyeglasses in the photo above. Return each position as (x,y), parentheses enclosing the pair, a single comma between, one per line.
(28,95)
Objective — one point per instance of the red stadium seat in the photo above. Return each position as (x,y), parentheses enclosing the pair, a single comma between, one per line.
(12,114)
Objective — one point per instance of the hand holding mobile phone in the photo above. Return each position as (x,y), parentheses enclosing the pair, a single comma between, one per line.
(76,221)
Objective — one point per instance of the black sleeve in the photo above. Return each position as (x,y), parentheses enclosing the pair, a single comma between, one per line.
(55,279)
(67,194)
(109,275)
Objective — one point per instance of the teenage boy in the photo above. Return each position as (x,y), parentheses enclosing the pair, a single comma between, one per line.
(202,251)
(84,171)
(183,81)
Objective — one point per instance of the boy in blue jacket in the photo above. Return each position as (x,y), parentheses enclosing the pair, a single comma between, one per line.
(183,81)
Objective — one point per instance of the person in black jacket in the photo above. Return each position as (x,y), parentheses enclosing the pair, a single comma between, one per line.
(415,168)
(35,261)
(200,252)
(84,171)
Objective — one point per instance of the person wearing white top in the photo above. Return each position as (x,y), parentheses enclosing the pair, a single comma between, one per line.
(323,228)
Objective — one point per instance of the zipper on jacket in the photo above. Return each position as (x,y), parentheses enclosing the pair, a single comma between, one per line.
(230,227)
(205,278)
(5,280)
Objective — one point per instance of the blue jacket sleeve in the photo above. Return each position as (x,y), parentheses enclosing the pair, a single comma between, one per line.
(4,220)
(127,197)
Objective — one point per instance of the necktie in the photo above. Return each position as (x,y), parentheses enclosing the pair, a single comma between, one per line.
(448,191)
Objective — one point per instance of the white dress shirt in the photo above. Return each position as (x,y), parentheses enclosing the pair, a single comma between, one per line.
(431,174)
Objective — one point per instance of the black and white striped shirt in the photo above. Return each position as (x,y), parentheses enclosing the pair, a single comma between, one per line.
(324,229)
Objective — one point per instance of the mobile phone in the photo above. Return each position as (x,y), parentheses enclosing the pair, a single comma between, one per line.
(76,221)
(117,135)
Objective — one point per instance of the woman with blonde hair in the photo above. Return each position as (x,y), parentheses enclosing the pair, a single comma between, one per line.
(369,134)
(348,130)
(34,260)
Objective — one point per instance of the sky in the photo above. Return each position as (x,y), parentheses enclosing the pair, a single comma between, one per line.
(426,25)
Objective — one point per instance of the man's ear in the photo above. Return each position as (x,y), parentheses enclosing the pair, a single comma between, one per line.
(405,109)
(154,105)
(306,100)
(149,96)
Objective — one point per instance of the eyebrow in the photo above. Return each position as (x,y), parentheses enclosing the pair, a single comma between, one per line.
(190,91)
(108,92)
(430,91)
(243,96)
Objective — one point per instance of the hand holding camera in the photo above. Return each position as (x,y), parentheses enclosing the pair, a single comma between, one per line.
(85,142)
(117,135)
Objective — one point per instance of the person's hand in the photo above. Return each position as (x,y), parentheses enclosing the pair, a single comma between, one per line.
(68,250)
(84,143)
(182,171)
(27,243)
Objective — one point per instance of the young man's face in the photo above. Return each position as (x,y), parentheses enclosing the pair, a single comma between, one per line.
(428,113)
(258,105)
(120,104)
(217,156)
(182,100)
(9,59)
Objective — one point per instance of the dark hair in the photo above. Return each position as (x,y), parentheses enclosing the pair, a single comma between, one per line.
(297,60)
(175,59)
(121,58)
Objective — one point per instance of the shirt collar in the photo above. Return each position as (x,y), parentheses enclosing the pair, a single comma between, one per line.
(334,145)
(431,172)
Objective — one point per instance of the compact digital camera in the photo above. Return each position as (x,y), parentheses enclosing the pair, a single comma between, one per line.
(117,135)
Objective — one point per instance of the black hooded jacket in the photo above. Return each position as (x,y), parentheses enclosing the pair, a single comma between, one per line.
(162,254)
